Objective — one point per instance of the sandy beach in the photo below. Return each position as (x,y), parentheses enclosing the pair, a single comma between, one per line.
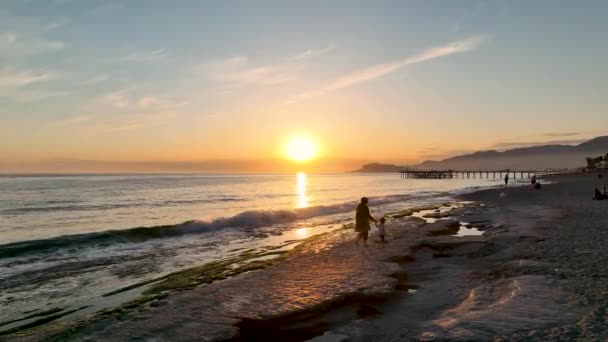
(536,273)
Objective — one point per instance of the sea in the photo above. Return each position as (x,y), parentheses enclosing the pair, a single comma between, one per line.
(67,241)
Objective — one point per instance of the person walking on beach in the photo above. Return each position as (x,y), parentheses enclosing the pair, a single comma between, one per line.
(506,179)
(533,181)
(362,218)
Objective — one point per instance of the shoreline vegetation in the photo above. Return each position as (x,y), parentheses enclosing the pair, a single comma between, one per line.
(536,273)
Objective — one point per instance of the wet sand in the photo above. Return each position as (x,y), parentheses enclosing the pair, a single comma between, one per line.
(537,273)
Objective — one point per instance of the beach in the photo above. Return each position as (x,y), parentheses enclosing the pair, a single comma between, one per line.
(525,266)
(76,245)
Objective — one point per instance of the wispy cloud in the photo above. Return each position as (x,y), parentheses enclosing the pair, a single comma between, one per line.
(34,95)
(74,120)
(11,78)
(380,70)
(567,134)
(238,71)
(310,53)
(24,36)
(28,85)
(110,123)
(115,99)
(128,100)
(96,79)
(139,120)
(143,56)
(16,45)
(57,24)
(124,109)
(147,101)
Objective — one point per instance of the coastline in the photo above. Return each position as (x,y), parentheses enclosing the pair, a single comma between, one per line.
(68,277)
(426,283)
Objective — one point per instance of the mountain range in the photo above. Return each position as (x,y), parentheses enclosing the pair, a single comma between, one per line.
(534,157)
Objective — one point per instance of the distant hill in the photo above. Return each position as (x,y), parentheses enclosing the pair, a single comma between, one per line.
(535,157)
(377,167)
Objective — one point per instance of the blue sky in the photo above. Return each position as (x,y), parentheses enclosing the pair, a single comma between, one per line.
(385,80)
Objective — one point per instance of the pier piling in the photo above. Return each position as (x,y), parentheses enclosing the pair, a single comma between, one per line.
(468,174)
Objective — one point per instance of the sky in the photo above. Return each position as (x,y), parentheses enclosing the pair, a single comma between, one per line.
(225,85)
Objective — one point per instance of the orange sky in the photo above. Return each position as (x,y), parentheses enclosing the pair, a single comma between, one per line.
(236,82)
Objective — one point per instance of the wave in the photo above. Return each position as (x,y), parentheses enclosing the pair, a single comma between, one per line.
(244,220)
(89,207)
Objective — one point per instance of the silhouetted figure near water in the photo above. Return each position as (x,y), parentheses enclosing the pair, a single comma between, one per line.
(381,229)
(597,194)
(362,219)
(506,179)
(533,181)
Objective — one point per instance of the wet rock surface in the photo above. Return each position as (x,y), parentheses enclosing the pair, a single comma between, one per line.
(321,284)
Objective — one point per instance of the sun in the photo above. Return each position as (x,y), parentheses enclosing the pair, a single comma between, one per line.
(301,149)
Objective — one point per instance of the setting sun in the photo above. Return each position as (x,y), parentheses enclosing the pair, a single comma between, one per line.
(301,149)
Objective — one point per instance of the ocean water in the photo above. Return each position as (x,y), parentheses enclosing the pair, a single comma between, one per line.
(66,240)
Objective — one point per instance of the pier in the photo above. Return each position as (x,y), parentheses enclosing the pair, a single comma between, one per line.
(465,174)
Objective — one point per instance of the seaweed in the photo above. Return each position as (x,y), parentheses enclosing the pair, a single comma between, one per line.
(40,321)
(43,313)
(212,271)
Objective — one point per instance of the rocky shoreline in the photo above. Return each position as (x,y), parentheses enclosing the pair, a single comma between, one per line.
(535,273)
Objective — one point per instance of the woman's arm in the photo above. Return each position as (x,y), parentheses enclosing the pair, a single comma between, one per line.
(369,214)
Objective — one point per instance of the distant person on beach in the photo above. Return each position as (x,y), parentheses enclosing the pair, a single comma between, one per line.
(381,229)
(506,179)
(597,194)
(362,219)
(533,181)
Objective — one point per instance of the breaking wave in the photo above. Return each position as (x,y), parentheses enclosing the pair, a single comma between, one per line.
(77,207)
(244,220)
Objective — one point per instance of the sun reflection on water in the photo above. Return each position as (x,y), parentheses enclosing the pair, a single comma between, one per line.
(301,190)
(302,232)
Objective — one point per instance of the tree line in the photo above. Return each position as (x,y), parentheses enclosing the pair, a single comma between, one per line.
(595,162)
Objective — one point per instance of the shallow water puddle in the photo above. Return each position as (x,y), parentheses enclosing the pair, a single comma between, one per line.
(465,231)
(443,213)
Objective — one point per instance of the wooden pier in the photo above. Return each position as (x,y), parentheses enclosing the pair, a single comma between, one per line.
(467,174)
